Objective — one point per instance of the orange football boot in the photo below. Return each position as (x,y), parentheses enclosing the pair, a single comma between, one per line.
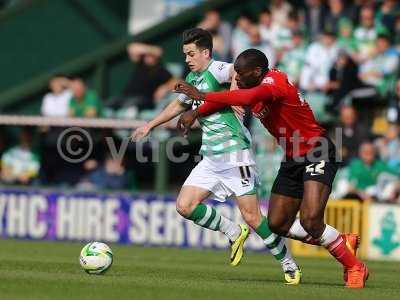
(352,241)
(357,276)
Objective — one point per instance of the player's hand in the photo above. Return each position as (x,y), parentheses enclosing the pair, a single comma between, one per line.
(189,90)
(186,121)
(239,110)
(140,133)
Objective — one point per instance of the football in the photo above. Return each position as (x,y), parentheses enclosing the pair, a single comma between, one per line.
(96,258)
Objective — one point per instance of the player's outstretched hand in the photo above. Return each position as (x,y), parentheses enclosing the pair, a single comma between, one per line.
(189,90)
(140,133)
(186,121)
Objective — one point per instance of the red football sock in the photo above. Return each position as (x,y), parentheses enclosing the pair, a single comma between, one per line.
(339,250)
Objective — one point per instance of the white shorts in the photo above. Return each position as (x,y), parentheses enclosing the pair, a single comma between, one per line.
(223,184)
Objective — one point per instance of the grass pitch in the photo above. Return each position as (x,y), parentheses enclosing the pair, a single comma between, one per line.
(41,270)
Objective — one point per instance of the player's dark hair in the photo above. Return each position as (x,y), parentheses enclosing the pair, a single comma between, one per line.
(254,58)
(200,37)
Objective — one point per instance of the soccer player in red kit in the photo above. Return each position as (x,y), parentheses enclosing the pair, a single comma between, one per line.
(306,174)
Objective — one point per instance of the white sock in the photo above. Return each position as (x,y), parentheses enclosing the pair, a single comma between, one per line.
(297,231)
(230,229)
(329,235)
(288,263)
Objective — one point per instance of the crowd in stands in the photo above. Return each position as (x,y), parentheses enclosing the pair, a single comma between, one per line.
(343,56)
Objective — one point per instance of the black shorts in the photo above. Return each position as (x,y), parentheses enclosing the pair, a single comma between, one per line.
(319,164)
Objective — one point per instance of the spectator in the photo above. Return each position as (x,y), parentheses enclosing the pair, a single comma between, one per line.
(56,102)
(110,175)
(393,113)
(221,32)
(387,13)
(280,10)
(370,177)
(150,81)
(353,133)
(389,147)
(397,33)
(337,12)
(320,57)
(293,22)
(343,78)
(85,102)
(262,45)
(345,38)
(315,14)
(273,33)
(365,34)
(380,70)
(19,164)
(293,59)
(240,35)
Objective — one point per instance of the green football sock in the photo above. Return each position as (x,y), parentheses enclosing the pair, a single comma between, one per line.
(274,242)
(206,216)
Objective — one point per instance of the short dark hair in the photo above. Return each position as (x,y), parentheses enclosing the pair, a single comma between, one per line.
(200,37)
(266,11)
(254,58)
(384,36)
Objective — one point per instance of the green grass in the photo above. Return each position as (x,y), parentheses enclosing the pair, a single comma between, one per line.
(39,270)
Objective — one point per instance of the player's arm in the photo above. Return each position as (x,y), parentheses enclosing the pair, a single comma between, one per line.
(224,73)
(209,108)
(172,110)
(241,97)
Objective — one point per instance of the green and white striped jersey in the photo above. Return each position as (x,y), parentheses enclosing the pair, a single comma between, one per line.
(223,131)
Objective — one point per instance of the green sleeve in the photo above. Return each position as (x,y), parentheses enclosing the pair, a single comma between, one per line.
(72,103)
(353,170)
(93,101)
(384,168)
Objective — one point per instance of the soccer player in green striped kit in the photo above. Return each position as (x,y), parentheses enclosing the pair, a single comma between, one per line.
(228,167)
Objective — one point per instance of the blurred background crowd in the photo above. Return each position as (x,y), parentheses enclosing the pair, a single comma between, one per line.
(343,56)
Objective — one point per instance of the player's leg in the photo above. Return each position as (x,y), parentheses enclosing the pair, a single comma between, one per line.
(189,205)
(200,184)
(284,204)
(312,210)
(251,213)
(318,175)
(282,214)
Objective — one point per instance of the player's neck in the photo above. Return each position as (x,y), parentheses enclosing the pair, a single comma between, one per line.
(205,67)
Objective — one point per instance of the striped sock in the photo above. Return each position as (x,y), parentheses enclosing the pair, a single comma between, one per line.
(275,243)
(206,216)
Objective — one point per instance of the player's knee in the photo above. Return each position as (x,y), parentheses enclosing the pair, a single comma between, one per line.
(311,224)
(183,208)
(252,219)
(277,227)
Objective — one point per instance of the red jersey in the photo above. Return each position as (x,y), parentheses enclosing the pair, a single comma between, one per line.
(281,109)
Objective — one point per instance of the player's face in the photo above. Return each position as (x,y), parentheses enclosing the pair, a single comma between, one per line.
(247,77)
(197,59)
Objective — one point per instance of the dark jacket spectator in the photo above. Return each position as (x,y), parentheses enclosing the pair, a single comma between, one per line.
(343,78)
(337,12)
(315,14)
(150,80)
(353,133)
(111,174)
(393,113)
